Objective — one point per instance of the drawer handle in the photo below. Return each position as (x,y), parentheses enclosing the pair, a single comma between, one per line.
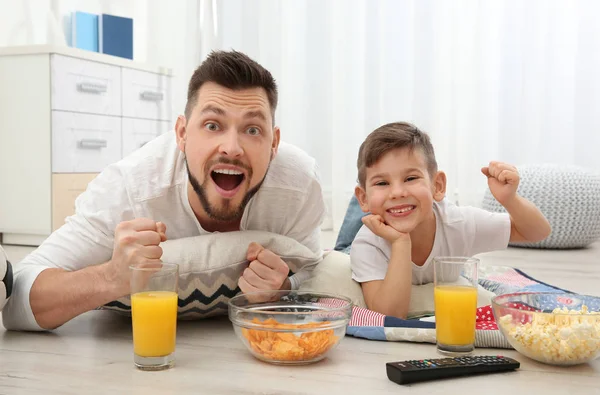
(151,96)
(91,144)
(91,87)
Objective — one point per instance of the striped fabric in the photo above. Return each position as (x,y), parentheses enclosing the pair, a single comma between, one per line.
(491,339)
(513,278)
(368,324)
(364,317)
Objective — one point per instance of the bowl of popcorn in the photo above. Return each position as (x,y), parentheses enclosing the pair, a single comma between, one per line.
(553,328)
(290,327)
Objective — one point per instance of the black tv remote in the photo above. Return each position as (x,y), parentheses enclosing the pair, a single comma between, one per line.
(406,372)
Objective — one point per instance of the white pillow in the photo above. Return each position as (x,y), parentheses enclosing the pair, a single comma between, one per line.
(211,265)
(334,275)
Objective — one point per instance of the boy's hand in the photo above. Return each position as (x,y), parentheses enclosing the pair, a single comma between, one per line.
(503,180)
(381,229)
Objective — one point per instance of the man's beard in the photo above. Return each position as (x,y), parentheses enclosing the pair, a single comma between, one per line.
(225,213)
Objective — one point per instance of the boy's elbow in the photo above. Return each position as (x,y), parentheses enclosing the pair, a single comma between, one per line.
(392,311)
(545,230)
(542,233)
(548,230)
(400,315)
(539,232)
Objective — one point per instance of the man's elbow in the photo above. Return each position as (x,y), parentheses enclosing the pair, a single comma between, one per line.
(17,314)
(13,320)
(16,318)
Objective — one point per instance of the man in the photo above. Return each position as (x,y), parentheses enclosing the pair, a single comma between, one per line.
(225,170)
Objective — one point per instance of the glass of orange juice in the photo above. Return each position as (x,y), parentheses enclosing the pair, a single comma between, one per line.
(154,314)
(455,298)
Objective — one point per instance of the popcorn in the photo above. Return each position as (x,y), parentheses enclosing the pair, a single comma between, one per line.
(562,337)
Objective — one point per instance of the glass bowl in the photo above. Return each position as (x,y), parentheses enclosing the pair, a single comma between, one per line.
(554,328)
(290,327)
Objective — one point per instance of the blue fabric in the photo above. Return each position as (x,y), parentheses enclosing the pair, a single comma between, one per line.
(350,227)
(395,322)
(367,332)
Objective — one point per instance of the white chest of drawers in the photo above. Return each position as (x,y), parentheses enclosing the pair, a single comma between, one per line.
(65,114)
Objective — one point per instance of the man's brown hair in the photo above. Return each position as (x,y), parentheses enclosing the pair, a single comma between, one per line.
(233,70)
(392,136)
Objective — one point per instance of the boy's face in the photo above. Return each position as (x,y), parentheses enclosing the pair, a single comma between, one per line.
(399,188)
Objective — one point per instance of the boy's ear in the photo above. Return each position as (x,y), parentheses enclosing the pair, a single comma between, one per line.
(361,196)
(439,186)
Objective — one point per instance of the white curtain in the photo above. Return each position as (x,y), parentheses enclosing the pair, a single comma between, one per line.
(508,80)
(516,81)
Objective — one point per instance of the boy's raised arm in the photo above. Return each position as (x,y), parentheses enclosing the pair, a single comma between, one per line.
(528,224)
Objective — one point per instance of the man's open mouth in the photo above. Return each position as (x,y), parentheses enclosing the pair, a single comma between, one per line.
(227,179)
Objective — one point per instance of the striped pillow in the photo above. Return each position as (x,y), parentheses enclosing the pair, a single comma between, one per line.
(210,266)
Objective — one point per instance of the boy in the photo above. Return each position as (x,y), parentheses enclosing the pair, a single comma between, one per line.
(410,222)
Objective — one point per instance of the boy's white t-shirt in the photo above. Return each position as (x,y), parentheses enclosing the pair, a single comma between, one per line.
(152,183)
(460,231)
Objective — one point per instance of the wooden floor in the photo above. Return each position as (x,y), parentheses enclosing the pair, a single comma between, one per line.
(93,353)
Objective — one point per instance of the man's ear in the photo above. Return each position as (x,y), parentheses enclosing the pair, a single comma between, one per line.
(361,196)
(181,132)
(275,144)
(439,186)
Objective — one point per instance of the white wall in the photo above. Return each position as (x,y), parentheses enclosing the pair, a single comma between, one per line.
(27,22)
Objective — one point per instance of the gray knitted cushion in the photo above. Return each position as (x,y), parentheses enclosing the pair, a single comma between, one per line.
(568,196)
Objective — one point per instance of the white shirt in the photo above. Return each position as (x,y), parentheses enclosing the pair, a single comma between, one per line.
(152,183)
(460,232)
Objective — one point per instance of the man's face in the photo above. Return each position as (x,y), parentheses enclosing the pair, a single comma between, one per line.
(229,141)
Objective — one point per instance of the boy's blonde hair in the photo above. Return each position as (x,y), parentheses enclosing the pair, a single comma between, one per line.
(392,136)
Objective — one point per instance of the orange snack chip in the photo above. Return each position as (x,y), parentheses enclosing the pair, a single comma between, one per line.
(286,346)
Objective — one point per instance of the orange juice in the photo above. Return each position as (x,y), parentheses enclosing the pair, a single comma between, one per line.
(455,312)
(154,320)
